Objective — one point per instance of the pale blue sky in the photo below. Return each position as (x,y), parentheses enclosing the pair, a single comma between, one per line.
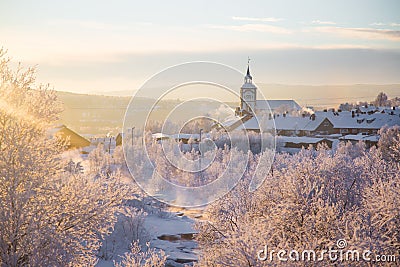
(86,46)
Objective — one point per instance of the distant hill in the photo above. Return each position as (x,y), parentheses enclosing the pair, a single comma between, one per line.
(93,114)
(98,114)
(319,96)
(326,96)
(114,93)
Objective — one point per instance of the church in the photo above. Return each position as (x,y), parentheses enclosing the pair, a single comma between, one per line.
(250,105)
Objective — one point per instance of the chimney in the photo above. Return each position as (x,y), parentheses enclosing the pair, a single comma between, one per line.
(394,108)
(352,113)
(237,111)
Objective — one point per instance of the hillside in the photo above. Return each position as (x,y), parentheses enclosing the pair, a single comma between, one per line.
(93,114)
(101,114)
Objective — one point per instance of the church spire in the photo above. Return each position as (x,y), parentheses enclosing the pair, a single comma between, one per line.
(248,92)
(248,78)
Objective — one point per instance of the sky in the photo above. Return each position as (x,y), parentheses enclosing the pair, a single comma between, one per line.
(103,46)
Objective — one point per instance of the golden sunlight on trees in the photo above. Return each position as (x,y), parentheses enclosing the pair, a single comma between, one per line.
(48,216)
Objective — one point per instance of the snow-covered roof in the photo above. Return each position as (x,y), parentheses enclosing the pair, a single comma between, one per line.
(186,136)
(360,137)
(231,121)
(343,120)
(368,108)
(300,139)
(251,124)
(160,136)
(287,123)
(180,136)
(330,136)
(274,104)
(340,120)
(52,131)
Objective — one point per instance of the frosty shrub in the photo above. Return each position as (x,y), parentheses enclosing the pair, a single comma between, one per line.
(138,258)
(99,160)
(118,157)
(128,229)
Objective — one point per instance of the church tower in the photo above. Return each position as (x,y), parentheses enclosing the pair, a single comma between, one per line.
(248,92)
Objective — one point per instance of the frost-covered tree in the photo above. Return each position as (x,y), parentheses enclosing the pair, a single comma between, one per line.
(389,143)
(48,217)
(99,160)
(310,200)
(381,100)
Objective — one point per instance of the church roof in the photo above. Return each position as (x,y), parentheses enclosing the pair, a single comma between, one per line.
(274,104)
(285,123)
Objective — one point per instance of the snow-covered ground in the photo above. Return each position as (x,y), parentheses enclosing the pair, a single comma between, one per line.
(174,235)
(171,231)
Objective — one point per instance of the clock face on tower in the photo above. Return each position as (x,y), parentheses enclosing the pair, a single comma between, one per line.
(248,96)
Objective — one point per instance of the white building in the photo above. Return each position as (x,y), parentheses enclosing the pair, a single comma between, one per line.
(250,105)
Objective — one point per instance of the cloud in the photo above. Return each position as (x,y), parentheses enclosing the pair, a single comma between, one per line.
(319,22)
(253,28)
(338,46)
(393,24)
(377,24)
(365,33)
(271,19)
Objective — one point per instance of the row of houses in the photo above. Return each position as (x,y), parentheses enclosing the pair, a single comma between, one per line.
(361,124)
(320,123)
(327,126)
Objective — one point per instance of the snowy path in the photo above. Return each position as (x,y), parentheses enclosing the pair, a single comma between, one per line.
(170,229)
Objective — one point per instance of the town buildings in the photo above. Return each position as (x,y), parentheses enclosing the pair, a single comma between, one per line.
(290,120)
